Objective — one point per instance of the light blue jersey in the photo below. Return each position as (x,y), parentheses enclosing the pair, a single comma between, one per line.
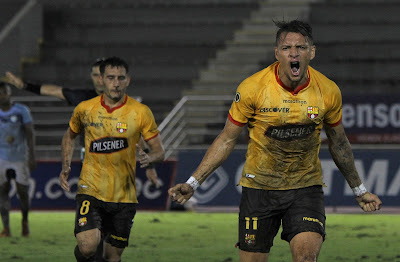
(13,145)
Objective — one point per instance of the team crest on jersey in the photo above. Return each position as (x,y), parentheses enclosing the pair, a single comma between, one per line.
(14,119)
(121,127)
(82,221)
(250,239)
(312,112)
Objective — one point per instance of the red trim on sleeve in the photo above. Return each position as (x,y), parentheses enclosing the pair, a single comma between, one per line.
(234,121)
(335,124)
(151,137)
(72,131)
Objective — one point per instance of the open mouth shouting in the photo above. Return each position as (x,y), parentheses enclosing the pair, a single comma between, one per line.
(295,68)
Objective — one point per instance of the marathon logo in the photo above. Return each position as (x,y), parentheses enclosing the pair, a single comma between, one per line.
(108,145)
(290,132)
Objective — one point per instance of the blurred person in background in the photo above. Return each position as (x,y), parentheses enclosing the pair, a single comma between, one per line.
(106,199)
(285,107)
(17,157)
(74,97)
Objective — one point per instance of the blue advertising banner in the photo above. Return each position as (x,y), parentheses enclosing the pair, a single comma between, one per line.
(46,193)
(378,168)
(372,119)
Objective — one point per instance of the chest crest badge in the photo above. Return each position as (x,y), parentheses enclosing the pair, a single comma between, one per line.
(122,127)
(312,112)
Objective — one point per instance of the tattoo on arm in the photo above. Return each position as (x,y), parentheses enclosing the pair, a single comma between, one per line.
(342,155)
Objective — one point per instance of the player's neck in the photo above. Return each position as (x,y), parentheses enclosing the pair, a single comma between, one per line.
(112,103)
(5,107)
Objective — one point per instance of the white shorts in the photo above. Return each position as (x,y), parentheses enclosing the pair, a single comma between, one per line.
(22,172)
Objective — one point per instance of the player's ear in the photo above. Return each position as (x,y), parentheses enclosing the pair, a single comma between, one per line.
(312,53)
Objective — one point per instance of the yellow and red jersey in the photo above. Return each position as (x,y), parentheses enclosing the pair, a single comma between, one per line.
(284,128)
(111,135)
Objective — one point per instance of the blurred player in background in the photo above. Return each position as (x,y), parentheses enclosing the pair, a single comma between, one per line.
(285,107)
(17,157)
(74,97)
(106,199)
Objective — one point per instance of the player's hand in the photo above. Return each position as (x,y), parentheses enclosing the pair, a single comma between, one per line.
(151,174)
(63,178)
(14,80)
(144,159)
(369,202)
(181,193)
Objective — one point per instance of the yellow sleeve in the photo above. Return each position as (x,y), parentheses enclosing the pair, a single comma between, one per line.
(75,123)
(333,102)
(148,124)
(243,106)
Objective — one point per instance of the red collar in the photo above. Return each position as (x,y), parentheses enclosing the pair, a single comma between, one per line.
(298,89)
(110,110)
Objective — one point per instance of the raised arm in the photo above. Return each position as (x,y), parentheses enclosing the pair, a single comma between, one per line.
(44,89)
(342,155)
(67,146)
(216,154)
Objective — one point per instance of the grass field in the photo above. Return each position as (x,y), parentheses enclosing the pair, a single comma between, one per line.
(195,237)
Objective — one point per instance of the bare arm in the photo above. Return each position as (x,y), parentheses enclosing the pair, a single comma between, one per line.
(216,154)
(67,146)
(151,172)
(52,90)
(30,141)
(155,154)
(45,89)
(342,155)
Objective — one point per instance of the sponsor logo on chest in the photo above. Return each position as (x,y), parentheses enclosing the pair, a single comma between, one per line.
(108,145)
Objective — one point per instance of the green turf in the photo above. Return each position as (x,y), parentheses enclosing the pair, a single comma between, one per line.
(185,236)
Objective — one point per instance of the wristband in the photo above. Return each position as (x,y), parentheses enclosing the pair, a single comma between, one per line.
(193,183)
(34,88)
(359,190)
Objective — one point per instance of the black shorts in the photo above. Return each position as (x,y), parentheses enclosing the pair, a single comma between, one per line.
(114,220)
(262,211)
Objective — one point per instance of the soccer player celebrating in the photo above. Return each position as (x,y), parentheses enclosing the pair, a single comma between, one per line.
(285,106)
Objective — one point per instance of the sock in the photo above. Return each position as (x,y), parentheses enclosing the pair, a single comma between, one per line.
(5,204)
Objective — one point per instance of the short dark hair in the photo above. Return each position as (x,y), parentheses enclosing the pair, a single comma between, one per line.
(5,85)
(98,61)
(294,26)
(113,62)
